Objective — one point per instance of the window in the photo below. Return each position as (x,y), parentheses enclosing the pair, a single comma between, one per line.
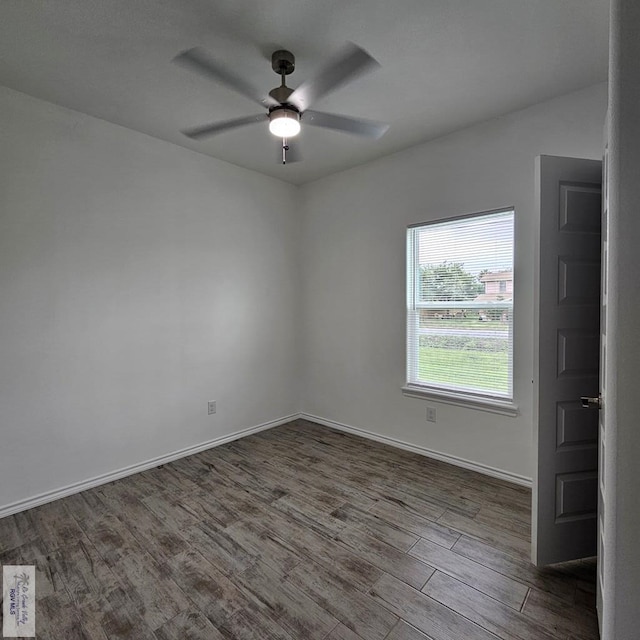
(460,309)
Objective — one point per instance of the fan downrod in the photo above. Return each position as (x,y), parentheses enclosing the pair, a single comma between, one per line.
(283,62)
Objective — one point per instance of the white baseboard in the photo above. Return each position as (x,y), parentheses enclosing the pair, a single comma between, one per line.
(514,478)
(62,492)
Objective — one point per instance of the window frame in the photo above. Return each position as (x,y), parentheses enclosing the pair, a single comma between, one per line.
(450,395)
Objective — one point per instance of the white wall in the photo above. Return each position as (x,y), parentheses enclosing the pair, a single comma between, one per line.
(138,280)
(622,488)
(354,231)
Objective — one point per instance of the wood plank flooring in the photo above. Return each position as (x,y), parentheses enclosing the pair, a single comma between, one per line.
(299,532)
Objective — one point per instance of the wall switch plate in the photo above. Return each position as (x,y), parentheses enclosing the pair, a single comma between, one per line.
(211,407)
(431,414)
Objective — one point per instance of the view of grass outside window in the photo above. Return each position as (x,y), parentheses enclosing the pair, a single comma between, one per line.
(460,305)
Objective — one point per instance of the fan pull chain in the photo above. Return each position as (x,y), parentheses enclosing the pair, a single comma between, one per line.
(285,148)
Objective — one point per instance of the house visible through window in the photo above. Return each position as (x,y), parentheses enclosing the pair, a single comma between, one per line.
(460,306)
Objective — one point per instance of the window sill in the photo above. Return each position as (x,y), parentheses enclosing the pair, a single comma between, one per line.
(503,407)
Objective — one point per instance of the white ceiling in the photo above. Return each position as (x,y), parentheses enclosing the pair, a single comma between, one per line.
(445,64)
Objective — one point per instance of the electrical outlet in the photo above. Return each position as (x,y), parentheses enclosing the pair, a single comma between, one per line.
(211,407)
(431,414)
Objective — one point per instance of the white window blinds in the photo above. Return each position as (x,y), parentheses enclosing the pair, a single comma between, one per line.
(460,305)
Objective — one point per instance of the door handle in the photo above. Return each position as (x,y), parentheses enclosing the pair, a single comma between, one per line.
(591,402)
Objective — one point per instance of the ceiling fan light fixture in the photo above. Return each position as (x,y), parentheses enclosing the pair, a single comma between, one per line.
(284,122)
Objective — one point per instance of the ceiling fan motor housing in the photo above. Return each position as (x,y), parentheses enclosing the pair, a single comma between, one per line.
(281,94)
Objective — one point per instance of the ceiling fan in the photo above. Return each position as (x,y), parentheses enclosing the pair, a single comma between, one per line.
(287,108)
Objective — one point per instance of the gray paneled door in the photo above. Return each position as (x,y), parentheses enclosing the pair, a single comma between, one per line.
(567,347)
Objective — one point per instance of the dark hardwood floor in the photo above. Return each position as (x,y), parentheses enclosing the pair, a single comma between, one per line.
(297,532)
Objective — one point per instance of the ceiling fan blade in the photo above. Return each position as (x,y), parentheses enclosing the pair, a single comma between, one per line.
(351,63)
(206,130)
(291,154)
(356,126)
(200,61)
